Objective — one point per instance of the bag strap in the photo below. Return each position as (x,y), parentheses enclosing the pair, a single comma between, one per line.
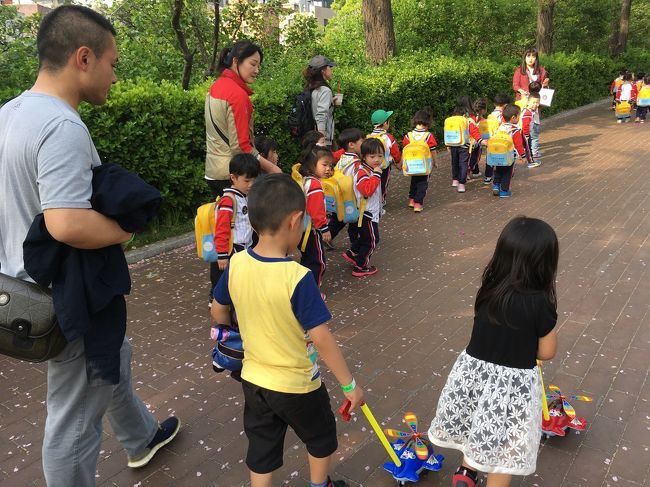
(218,130)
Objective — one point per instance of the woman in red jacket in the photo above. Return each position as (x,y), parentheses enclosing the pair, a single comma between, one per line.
(529,71)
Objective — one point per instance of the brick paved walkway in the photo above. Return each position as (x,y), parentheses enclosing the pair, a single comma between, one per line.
(402,329)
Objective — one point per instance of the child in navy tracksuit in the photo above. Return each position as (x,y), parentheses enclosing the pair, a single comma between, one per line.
(348,162)
(495,119)
(234,237)
(367,188)
(315,164)
(419,184)
(460,154)
(527,123)
(392,154)
(503,174)
(477,115)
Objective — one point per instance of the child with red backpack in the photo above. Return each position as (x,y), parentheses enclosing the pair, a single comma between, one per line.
(420,134)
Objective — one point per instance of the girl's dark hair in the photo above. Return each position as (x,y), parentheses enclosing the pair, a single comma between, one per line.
(310,157)
(314,78)
(463,106)
(530,50)
(264,145)
(646,79)
(502,99)
(525,259)
(627,76)
(480,104)
(372,146)
(422,117)
(311,138)
(534,87)
(240,50)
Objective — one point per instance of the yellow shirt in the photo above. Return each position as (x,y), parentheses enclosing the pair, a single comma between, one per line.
(277,302)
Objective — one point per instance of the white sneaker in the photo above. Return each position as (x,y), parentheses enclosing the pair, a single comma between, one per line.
(461,188)
(454,183)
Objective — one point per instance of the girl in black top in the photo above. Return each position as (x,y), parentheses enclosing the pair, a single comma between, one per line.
(491,407)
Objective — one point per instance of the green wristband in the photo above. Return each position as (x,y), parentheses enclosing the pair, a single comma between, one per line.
(350,387)
(131,239)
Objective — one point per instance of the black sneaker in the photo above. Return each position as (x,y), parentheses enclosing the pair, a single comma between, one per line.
(336,483)
(167,431)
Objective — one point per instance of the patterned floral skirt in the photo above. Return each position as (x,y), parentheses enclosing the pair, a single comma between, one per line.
(493,414)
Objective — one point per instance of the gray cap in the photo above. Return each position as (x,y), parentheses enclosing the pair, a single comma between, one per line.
(320,61)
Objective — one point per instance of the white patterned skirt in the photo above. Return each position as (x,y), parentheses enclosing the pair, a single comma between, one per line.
(491,413)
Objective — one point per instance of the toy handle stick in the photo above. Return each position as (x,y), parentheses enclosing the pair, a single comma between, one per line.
(344,411)
(382,437)
(545,414)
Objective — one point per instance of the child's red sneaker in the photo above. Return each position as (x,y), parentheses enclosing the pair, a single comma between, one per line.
(364,271)
(411,202)
(349,256)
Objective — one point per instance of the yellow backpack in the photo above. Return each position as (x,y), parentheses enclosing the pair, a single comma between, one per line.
(416,156)
(484,128)
(493,124)
(204,225)
(500,149)
(623,109)
(643,98)
(456,131)
(387,157)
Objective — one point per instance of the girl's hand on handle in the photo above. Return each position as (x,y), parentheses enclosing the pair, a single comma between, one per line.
(355,397)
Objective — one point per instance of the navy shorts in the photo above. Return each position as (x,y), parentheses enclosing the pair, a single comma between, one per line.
(266,417)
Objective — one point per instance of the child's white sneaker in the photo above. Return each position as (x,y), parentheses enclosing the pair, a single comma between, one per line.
(454,183)
(461,188)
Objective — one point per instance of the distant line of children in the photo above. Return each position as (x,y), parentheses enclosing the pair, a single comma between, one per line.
(630,93)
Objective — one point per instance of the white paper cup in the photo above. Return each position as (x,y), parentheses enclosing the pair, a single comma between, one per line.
(338,99)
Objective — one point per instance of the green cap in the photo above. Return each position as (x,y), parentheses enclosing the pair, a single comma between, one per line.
(380,116)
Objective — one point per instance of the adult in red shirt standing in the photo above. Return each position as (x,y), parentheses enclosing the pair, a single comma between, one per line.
(229,114)
(529,71)
(229,120)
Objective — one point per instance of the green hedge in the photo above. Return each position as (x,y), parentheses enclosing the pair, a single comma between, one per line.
(157,130)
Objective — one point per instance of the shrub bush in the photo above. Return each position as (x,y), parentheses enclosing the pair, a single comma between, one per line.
(158,130)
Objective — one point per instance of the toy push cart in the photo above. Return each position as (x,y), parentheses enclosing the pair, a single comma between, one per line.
(411,453)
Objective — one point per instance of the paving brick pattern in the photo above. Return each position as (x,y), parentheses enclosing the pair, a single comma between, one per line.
(402,329)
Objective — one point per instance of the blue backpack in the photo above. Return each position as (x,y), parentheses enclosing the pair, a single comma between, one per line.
(228,352)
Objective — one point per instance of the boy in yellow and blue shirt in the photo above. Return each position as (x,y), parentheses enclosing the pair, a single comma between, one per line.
(283,324)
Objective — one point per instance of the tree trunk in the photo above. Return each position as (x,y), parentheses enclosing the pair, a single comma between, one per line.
(188,56)
(545,26)
(378,30)
(212,69)
(624,28)
(615,26)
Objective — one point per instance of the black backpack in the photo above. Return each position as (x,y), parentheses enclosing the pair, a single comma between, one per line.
(301,119)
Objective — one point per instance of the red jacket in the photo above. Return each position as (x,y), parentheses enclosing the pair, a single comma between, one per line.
(473,127)
(526,119)
(223,230)
(337,155)
(367,180)
(520,80)
(316,203)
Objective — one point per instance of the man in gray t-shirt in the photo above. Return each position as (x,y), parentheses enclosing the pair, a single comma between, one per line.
(46,161)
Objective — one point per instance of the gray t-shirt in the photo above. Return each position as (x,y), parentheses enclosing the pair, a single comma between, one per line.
(46,161)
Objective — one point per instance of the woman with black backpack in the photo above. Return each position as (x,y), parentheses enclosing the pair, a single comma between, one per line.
(317,75)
